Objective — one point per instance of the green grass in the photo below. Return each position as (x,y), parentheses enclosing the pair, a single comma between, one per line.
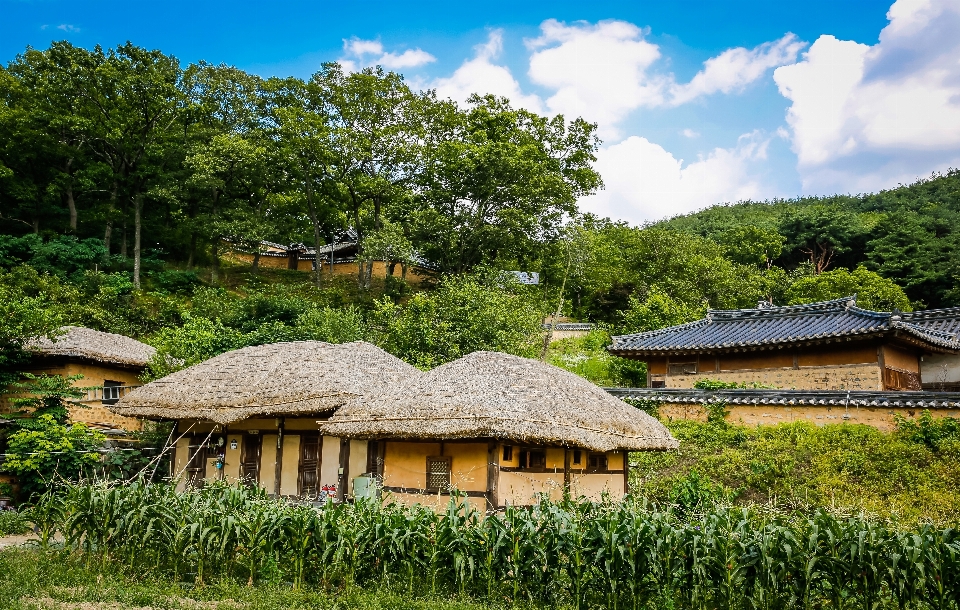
(31,579)
(800,466)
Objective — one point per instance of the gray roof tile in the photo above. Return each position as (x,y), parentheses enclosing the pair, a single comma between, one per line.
(770,325)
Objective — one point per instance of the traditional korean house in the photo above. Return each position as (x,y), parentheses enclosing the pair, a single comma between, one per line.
(831,345)
(340,257)
(251,414)
(499,429)
(110,364)
(939,372)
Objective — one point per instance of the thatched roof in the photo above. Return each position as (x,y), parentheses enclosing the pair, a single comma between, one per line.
(80,342)
(493,395)
(266,380)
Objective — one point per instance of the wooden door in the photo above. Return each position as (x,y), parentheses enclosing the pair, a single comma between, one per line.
(309,468)
(197,466)
(250,459)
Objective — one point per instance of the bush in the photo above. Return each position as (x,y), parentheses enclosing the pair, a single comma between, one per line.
(12,523)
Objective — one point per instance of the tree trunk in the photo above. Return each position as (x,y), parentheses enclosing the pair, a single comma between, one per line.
(403,271)
(68,196)
(215,249)
(317,265)
(137,206)
(193,249)
(390,267)
(123,240)
(108,232)
(256,260)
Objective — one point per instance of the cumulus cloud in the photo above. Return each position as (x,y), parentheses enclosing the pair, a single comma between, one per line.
(482,75)
(66,27)
(597,71)
(645,182)
(365,53)
(868,117)
(736,68)
(689,133)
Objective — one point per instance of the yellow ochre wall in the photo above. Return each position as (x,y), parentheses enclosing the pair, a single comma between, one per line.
(94,374)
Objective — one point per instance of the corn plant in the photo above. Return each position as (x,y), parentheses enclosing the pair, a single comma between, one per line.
(626,555)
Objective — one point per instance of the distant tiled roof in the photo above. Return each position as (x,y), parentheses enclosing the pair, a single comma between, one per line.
(770,326)
(942,320)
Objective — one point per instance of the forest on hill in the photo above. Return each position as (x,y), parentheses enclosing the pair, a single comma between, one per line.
(125,177)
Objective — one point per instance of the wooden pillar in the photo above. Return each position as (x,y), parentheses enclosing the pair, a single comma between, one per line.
(626,472)
(279,467)
(226,443)
(493,472)
(344,471)
(566,473)
(173,450)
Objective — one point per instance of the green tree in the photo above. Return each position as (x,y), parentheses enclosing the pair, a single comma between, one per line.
(498,182)
(872,290)
(485,311)
(751,245)
(48,450)
(820,232)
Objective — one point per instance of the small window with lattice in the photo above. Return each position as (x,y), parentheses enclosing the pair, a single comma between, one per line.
(597,462)
(533,459)
(438,474)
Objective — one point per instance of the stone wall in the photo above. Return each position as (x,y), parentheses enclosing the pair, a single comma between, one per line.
(838,377)
(752,415)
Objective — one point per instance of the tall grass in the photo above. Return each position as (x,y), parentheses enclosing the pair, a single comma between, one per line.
(614,555)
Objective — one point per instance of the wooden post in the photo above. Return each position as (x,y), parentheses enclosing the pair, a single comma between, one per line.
(493,471)
(626,472)
(566,473)
(173,449)
(344,473)
(226,443)
(278,471)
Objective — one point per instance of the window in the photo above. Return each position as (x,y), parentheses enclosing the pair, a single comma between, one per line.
(658,383)
(597,461)
(507,453)
(577,457)
(438,474)
(111,391)
(682,368)
(533,458)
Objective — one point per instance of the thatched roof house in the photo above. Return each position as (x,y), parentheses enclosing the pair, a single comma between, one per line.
(494,395)
(95,346)
(301,377)
(110,366)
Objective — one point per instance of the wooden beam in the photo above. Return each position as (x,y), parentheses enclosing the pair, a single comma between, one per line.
(493,468)
(278,470)
(626,472)
(344,472)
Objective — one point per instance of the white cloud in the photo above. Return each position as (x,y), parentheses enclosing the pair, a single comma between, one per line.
(366,53)
(645,182)
(597,71)
(689,133)
(868,117)
(66,27)
(736,68)
(481,75)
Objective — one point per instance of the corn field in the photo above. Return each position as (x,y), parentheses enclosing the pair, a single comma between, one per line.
(612,555)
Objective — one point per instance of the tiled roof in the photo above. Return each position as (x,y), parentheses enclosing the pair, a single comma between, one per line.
(770,326)
(787,398)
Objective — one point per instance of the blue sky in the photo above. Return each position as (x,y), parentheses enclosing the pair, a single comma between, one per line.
(697,102)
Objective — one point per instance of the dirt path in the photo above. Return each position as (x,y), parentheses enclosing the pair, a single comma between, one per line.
(16,540)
